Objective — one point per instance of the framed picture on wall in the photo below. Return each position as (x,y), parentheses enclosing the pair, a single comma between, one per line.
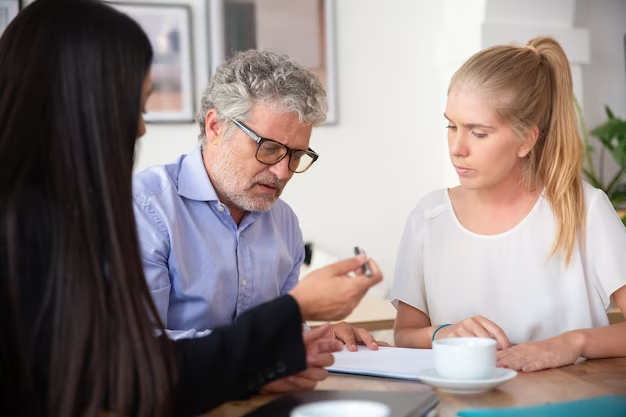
(303,29)
(8,11)
(169,29)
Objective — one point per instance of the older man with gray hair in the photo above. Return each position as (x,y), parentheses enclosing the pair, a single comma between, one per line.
(215,238)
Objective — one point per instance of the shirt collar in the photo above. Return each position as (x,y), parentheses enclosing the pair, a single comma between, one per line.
(193,180)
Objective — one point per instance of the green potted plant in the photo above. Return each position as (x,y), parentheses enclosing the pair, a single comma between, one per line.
(612,137)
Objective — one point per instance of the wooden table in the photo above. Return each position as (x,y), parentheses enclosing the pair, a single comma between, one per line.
(583,380)
(371,314)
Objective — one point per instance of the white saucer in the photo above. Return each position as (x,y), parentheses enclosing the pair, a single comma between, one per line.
(466,386)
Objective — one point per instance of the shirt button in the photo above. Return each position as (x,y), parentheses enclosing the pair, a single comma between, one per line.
(244,282)
(220,208)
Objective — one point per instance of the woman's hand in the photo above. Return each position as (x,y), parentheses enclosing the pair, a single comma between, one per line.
(551,353)
(476,326)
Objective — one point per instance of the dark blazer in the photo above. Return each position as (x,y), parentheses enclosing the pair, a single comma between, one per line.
(235,361)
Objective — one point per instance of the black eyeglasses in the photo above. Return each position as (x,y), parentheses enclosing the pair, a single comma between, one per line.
(270,152)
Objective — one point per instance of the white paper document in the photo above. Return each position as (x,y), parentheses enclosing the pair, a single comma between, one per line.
(389,362)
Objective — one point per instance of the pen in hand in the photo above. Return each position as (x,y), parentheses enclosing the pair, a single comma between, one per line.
(367,270)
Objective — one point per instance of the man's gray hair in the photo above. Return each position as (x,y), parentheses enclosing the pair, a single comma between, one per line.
(262,77)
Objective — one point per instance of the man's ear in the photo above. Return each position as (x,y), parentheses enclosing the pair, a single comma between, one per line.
(213,127)
(529,143)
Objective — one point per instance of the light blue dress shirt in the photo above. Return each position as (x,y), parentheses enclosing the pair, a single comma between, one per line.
(202,269)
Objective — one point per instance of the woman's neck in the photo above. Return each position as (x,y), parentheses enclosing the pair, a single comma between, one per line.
(503,195)
(496,209)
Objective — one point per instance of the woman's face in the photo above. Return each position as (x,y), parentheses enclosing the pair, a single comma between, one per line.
(145,93)
(483,149)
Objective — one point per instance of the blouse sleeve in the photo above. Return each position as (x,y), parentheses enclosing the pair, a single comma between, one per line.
(605,247)
(408,284)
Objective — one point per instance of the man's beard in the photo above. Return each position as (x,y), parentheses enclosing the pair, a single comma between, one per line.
(231,186)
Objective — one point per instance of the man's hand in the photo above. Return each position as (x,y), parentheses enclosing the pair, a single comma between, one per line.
(330,293)
(303,381)
(351,336)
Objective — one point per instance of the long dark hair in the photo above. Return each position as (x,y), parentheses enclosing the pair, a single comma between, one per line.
(77,321)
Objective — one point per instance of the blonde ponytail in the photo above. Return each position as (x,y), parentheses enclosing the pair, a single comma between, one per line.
(560,162)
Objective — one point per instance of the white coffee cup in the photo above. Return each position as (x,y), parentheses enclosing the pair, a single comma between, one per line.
(342,408)
(465,357)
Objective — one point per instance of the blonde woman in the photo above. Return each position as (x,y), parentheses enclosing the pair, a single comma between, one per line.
(523,251)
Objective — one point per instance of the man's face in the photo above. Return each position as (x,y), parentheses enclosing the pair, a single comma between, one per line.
(239,178)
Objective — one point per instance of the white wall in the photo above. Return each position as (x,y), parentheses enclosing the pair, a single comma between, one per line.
(605,75)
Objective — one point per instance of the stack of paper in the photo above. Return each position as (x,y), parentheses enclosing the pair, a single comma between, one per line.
(389,362)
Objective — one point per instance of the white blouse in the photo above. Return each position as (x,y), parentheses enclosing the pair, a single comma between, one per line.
(451,274)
